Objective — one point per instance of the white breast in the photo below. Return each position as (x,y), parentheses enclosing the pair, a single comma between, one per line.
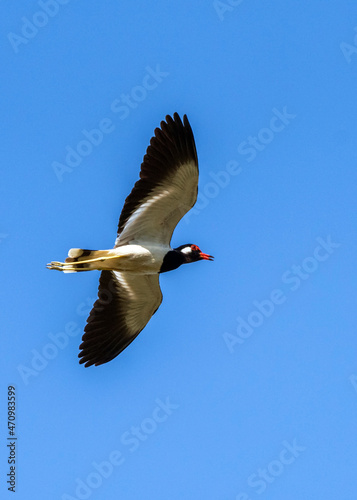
(141,259)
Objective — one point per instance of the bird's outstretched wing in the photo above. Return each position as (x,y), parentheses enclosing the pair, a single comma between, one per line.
(167,188)
(125,304)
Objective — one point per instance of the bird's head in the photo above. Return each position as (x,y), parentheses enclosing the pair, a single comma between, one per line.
(192,253)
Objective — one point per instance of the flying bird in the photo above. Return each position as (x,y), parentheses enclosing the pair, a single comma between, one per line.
(129,291)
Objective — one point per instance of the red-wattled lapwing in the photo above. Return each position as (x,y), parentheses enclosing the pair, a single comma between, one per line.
(129,290)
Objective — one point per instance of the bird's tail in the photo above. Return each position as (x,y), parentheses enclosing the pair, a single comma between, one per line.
(83,260)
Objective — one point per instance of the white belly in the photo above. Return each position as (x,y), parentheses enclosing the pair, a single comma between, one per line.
(138,259)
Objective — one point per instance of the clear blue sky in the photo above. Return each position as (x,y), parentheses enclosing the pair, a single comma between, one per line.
(244,384)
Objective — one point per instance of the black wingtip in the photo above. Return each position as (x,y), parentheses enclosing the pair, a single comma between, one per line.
(177,119)
(172,145)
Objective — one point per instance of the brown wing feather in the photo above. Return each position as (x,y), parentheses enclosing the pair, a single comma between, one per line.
(172,147)
(124,306)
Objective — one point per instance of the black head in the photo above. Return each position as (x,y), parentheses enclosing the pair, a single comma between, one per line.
(182,255)
(192,253)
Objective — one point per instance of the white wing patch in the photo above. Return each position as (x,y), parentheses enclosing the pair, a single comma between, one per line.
(119,316)
(158,215)
(142,295)
(142,210)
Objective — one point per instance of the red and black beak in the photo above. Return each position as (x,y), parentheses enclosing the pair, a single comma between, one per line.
(205,256)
